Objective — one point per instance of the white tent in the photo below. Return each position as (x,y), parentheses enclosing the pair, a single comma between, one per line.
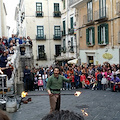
(74,61)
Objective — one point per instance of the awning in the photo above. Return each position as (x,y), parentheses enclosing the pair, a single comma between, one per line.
(63,58)
(74,61)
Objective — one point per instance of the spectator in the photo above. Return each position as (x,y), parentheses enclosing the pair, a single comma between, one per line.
(20,40)
(99,78)
(27,78)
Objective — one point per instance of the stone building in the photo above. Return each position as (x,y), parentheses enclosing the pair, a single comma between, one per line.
(41,20)
(69,41)
(98,30)
(3,14)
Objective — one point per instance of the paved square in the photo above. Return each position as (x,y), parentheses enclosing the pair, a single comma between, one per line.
(100,105)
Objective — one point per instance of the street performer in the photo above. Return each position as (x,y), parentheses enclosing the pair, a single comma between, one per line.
(54,85)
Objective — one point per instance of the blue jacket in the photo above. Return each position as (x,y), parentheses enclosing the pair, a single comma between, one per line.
(3,61)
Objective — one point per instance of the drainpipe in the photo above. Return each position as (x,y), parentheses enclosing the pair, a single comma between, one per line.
(49,42)
(112,26)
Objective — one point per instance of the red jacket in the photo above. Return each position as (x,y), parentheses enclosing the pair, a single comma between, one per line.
(82,78)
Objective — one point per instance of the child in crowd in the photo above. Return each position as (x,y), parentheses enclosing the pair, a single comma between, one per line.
(40,83)
(35,82)
(68,85)
(82,80)
(73,82)
(87,84)
(104,82)
(93,83)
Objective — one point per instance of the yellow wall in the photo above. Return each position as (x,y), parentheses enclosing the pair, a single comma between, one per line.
(116,25)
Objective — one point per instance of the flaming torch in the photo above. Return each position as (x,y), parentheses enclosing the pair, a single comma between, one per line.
(84,113)
(23,95)
(77,93)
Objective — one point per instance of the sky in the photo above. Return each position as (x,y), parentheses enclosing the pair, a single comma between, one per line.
(10,7)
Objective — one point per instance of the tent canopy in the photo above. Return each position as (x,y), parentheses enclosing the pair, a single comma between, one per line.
(74,61)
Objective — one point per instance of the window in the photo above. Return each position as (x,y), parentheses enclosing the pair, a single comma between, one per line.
(103,34)
(40,31)
(57,30)
(56,7)
(63,4)
(64,28)
(71,22)
(102,5)
(41,52)
(57,50)
(90,36)
(89,11)
(71,47)
(57,12)
(39,10)
(64,44)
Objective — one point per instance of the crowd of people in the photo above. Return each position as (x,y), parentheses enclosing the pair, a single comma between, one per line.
(7,47)
(94,77)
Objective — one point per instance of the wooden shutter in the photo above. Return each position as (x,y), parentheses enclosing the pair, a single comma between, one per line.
(99,35)
(106,34)
(87,36)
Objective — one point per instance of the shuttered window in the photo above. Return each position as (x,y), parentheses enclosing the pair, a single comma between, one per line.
(103,37)
(90,36)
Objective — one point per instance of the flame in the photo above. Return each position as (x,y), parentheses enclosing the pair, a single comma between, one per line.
(77,93)
(24,94)
(84,113)
(1,71)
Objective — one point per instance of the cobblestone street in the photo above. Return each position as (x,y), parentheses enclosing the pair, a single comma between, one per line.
(100,105)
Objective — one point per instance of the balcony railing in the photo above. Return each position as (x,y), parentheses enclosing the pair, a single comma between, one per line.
(71,49)
(63,49)
(88,19)
(118,8)
(71,31)
(39,13)
(63,33)
(71,2)
(101,14)
(42,56)
(57,37)
(40,37)
(57,14)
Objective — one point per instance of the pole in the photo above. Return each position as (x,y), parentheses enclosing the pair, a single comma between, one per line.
(47,94)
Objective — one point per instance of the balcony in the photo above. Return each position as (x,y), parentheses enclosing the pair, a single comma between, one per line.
(118,8)
(63,33)
(63,49)
(90,44)
(71,49)
(101,15)
(88,19)
(102,43)
(71,31)
(76,3)
(57,14)
(38,37)
(42,56)
(39,14)
(57,37)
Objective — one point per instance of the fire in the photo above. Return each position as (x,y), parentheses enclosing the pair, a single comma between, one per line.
(24,94)
(84,113)
(77,93)
(1,71)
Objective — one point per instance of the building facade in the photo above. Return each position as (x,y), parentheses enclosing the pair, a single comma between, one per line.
(98,30)
(3,14)
(41,20)
(68,41)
